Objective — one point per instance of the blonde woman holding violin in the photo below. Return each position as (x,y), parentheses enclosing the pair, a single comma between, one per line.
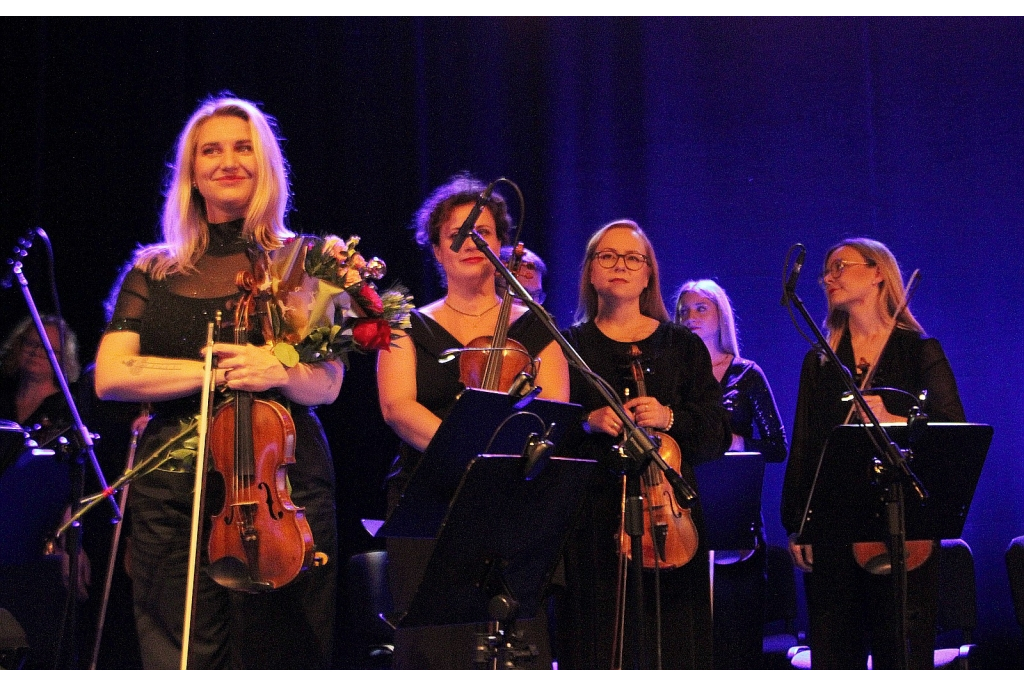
(417,391)
(622,324)
(874,334)
(226,199)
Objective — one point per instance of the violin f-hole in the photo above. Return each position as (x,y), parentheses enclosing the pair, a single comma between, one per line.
(276,515)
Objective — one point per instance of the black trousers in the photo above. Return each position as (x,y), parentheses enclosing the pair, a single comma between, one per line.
(292,627)
(852,614)
(739,598)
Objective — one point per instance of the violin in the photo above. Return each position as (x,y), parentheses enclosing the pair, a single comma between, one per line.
(259,540)
(670,536)
(497,362)
(873,557)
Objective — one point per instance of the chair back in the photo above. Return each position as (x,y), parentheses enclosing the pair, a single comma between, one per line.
(958,600)
(1015,570)
(369,599)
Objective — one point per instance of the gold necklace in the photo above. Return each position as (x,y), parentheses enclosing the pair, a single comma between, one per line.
(475,316)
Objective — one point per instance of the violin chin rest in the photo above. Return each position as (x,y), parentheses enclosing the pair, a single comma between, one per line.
(233,574)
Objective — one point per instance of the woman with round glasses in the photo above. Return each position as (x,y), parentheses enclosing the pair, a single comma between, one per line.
(740,576)
(865,292)
(620,307)
(36,490)
(29,392)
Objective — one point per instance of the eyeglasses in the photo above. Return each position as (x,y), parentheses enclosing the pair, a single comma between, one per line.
(835,269)
(634,261)
(34,344)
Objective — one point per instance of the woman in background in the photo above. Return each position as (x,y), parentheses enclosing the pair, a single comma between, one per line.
(29,391)
(36,489)
(740,575)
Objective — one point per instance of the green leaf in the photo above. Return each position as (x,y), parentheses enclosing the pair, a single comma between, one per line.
(286,354)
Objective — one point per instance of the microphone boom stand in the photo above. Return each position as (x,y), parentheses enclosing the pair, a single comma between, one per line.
(895,473)
(638,448)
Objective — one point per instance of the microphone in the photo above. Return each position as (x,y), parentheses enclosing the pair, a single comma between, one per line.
(474,214)
(20,251)
(790,286)
(535,453)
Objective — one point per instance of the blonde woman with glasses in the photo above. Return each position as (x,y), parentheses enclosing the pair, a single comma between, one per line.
(867,325)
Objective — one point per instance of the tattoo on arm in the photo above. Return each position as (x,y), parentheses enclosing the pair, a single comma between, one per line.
(138,365)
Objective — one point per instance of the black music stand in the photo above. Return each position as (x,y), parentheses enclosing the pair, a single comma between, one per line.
(501,539)
(847,504)
(34,493)
(499,521)
(480,422)
(730,496)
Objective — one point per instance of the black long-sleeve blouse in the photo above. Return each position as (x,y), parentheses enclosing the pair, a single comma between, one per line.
(753,413)
(678,374)
(910,362)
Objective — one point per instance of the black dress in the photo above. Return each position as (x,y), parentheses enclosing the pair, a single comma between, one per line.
(844,601)
(740,586)
(437,388)
(292,627)
(677,373)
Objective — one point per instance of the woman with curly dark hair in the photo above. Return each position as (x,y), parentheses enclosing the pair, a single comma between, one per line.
(417,391)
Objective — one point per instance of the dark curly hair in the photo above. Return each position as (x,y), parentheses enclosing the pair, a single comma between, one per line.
(461,189)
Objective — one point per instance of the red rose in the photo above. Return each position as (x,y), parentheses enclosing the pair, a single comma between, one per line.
(372,334)
(369,300)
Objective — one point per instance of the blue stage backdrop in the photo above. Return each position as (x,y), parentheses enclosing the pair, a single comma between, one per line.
(728,140)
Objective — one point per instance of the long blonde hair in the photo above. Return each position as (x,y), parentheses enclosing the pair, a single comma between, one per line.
(184,223)
(651,302)
(891,294)
(727,339)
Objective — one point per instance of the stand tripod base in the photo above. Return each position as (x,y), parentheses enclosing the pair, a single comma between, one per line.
(501,647)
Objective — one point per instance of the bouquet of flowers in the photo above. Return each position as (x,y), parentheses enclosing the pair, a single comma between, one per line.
(323,302)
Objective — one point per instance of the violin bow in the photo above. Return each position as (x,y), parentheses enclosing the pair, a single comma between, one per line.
(197,499)
(869,376)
